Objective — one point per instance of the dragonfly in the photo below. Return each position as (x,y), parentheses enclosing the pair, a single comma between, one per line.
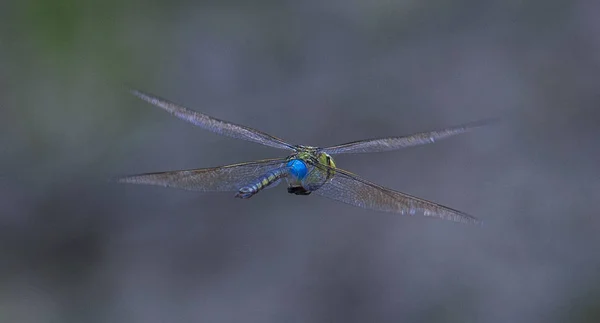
(306,169)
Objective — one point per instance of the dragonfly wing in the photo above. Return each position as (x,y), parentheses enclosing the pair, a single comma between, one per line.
(351,189)
(223,178)
(394,143)
(213,124)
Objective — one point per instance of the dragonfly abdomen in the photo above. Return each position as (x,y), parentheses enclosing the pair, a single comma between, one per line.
(261,183)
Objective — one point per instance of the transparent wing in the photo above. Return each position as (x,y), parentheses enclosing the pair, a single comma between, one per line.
(394,143)
(223,178)
(212,124)
(351,189)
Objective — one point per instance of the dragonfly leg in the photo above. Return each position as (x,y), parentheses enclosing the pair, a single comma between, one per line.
(298,190)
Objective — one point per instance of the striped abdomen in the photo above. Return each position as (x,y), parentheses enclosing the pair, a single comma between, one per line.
(261,183)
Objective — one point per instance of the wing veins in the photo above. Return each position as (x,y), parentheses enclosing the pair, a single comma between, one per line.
(404,203)
(399,142)
(221,178)
(215,125)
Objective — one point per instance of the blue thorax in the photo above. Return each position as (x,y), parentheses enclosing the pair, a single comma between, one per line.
(297,168)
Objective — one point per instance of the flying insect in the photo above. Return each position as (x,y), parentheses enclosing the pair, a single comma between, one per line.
(306,170)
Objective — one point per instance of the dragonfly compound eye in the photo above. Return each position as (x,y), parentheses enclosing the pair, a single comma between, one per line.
(297,168)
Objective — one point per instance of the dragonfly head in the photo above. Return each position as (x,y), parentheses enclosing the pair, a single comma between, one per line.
(297,165)
(325,159)
(309,170)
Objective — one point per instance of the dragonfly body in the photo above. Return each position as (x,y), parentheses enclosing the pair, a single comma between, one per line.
(316,169)
(307,169)
(301,175)
(272,178)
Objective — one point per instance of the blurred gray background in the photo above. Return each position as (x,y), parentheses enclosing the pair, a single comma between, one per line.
(76,248)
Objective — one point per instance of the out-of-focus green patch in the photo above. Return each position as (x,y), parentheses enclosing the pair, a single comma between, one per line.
(53,24)
(583,309)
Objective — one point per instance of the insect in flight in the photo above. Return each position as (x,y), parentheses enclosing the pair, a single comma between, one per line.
(306,170)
